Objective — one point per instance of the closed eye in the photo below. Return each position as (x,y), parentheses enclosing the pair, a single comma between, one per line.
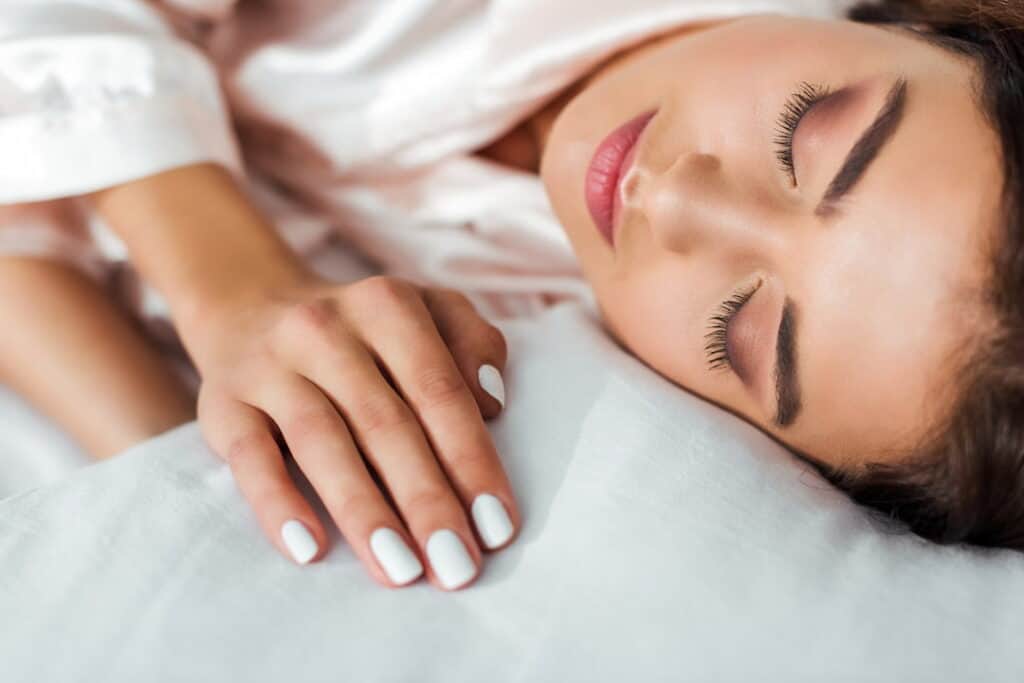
(716,340)
(797,107)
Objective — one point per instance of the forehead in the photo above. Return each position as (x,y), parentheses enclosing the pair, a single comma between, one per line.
(894,292)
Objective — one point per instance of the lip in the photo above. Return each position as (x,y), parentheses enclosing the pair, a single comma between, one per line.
(609,165)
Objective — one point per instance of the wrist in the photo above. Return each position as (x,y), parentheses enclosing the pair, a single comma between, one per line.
(213,304)
(195,236)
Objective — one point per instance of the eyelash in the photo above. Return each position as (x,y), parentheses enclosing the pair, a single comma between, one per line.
(716,342)
(797,107)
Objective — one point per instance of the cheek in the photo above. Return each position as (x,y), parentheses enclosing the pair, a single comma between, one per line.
(659,312)
(563,168)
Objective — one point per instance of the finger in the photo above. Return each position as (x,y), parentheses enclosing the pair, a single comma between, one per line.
(392,440)
(477,346)
(406,342)
(323,448)
(241,435)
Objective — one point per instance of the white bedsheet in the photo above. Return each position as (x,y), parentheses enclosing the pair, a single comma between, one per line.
(663,540)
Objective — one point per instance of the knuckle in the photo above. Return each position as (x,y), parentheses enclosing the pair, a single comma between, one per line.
(315,313)
(493,340)
(248,445)
(380,412)
(311,421)
(469,458)
(455,299)
(309,320)
(384,291)
(487,343)
(427,498)
(439,386)
(353,506)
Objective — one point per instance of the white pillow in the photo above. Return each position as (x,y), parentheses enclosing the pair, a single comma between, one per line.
(663,540)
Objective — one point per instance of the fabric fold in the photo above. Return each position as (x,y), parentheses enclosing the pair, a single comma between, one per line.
(91,97)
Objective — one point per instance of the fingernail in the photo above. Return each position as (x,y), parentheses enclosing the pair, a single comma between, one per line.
(399,563)
(491,382)
(299,541)
(491,520)
(449,558)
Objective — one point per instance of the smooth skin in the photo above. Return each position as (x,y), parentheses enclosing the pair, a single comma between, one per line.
(382,373)
(375,374)
(886,284)
(313,363)
(69,350)
(93,348)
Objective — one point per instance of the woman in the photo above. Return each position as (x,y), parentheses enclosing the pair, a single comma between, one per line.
(813,224)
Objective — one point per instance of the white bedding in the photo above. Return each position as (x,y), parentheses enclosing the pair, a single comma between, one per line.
(663,540)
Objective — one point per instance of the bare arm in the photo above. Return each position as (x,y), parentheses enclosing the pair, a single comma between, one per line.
(378,371)
(193,234)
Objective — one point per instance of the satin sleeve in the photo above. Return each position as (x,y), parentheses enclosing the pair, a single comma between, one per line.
(95,93)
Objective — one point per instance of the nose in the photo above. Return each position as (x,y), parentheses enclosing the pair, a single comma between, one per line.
(695,201)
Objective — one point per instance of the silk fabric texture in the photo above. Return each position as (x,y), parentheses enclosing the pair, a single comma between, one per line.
(356,119)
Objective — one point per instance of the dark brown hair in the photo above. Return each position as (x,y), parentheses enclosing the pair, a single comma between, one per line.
(966,482)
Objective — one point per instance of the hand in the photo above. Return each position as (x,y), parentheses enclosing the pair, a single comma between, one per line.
(378,379)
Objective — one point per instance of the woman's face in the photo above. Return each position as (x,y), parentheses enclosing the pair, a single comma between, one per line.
(800,229)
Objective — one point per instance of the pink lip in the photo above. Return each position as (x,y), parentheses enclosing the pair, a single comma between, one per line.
(611,163)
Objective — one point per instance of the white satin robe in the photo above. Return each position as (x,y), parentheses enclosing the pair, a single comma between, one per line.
(351,117)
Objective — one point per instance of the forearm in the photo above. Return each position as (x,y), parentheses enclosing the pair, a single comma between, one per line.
(74,355)
(193,234)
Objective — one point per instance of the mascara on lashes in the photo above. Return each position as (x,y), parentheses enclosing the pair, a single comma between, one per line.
(716,340)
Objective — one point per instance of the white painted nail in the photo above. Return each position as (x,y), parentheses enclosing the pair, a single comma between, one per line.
(399,563)
(299,541)
(491,520)
(491,382)
(450,559)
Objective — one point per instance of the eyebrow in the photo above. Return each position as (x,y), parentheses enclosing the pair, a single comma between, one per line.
(867,148)
(863,153)
(787,388)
